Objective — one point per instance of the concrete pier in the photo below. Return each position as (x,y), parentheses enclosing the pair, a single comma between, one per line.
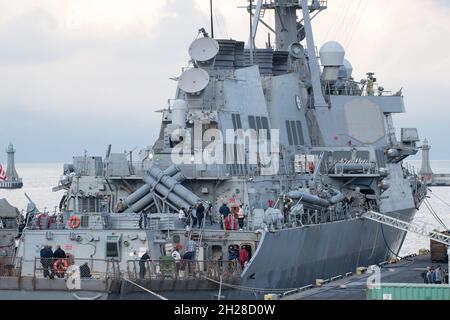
(354,287)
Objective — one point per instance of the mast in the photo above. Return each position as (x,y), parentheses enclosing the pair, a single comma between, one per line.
(286,23)
(251,40)
(319,100)
(212,18)
(288,31)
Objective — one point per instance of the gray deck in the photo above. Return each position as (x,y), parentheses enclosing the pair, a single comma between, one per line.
(354,287)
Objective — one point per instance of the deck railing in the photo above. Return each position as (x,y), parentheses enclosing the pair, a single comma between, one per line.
(8,268)
(184,270)
(89,269)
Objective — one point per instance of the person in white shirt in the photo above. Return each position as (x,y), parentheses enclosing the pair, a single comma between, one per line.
(177,258)
(182,215)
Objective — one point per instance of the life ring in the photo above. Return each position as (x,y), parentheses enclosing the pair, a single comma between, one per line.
(60,266)
(74,222)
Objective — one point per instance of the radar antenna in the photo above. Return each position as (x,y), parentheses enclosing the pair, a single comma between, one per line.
(212,17)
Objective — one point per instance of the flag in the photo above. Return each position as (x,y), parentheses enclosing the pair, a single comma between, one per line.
(2,173)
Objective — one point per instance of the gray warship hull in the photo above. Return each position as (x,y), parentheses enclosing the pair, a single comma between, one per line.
(285,260)
(321,252)
(297,148)
(292,259)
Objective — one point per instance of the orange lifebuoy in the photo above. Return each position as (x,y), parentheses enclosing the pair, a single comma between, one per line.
(60,266)
(74,222)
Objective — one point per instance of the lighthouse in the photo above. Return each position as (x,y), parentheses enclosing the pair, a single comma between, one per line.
(12,178)
(425,171)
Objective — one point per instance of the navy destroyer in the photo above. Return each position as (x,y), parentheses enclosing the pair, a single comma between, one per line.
(283,136)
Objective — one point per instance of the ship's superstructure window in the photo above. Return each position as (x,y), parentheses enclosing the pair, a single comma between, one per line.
(295,133)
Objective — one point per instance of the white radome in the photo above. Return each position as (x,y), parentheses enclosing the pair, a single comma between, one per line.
(332,54)
(346,70)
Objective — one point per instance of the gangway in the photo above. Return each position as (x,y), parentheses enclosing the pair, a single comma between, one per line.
(426,230)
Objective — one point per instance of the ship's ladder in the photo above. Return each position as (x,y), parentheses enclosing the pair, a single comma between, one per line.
(262,13)
(426,230)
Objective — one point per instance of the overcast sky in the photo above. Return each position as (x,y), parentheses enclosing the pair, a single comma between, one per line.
(79,74)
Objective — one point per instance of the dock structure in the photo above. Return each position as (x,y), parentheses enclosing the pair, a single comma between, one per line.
(355,286)
(12,178)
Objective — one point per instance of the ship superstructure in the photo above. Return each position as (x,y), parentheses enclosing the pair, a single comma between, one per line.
(291,139)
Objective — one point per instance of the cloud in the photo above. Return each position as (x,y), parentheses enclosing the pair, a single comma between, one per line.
(31,38)
(90,88)
(87,73)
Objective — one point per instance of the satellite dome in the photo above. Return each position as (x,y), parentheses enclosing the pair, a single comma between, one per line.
(346,70)
(332,54)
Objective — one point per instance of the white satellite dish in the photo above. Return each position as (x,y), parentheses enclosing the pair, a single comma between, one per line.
(193,80)
(204,49)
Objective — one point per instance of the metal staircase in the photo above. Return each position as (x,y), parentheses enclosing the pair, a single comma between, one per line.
(426,230)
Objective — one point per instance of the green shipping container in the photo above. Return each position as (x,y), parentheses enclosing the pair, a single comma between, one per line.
(409,291)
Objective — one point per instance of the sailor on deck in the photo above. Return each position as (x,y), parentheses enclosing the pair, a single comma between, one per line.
(177,259)
(224,212)
(47,262)
(142,264)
